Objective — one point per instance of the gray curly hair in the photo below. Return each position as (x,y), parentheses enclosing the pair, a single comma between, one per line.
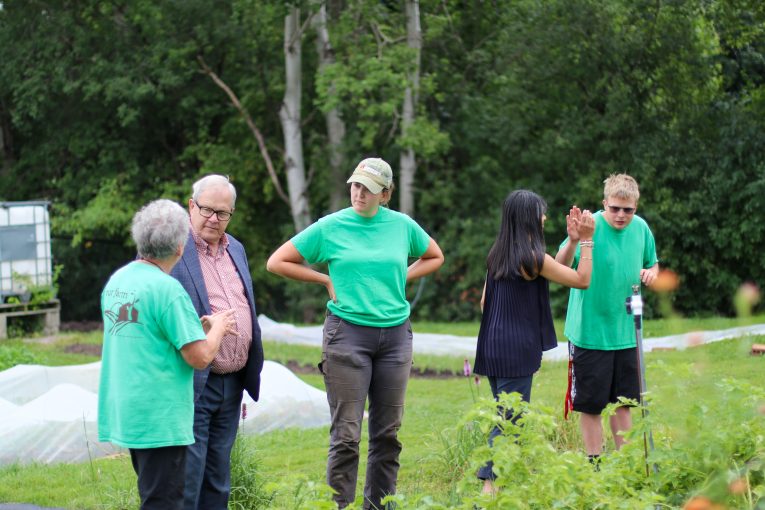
(158,228)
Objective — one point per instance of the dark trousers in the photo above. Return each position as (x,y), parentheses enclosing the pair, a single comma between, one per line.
(360,361)
(216,420)
(499,385)
(160,476)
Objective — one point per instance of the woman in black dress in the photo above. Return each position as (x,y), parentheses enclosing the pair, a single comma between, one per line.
(517,325)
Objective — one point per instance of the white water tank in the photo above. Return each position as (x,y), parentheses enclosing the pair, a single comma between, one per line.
(25,248)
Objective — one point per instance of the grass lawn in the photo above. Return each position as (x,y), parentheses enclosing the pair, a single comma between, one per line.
(430,463)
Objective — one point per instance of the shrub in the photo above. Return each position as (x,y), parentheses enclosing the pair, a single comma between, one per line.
(12,354)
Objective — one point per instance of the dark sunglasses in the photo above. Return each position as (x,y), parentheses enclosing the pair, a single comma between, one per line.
(615,210)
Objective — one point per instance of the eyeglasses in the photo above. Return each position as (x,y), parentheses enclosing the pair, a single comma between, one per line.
(207,212)
(615,210)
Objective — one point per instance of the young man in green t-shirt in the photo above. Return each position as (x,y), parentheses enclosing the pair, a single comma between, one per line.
(600,332)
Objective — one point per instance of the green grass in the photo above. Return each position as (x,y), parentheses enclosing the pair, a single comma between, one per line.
(677,380)
(309,356)
(39,351)
(677,325)
(651,328)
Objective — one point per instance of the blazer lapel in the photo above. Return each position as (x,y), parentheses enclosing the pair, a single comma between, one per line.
(191,259)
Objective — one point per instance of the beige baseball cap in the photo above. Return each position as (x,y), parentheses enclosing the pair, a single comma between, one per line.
(374,173)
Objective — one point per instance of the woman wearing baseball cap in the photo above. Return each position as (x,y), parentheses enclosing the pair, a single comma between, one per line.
(367,344)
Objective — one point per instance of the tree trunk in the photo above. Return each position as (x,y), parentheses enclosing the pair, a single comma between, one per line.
(6,145)
(335,125)
(250,123)
(289,115)
(407,159)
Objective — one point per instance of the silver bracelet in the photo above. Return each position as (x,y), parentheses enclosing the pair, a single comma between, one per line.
(587,244)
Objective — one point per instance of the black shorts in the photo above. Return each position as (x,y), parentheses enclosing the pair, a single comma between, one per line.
(601,377)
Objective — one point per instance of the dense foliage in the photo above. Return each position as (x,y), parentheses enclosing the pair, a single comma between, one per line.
(104,106)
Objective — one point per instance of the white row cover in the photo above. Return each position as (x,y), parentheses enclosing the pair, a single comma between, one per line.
(452,345)
(50,414)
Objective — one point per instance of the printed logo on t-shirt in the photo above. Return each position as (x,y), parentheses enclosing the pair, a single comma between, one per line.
(122,310)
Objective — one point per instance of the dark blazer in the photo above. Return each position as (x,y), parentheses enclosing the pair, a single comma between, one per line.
(188,271)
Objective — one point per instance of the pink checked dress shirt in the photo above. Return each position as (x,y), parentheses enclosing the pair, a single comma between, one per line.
(225,291)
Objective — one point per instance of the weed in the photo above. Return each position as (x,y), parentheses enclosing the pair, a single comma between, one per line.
(248,491)
(457,446)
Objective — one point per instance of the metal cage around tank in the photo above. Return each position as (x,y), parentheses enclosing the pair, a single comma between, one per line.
(26,264)
(25,248)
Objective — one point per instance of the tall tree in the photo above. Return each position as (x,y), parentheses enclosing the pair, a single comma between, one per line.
(334,121)
(290,115)
(407,159)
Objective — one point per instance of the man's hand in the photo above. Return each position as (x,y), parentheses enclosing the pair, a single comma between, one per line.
(225,317)
(648,276)
(586,227)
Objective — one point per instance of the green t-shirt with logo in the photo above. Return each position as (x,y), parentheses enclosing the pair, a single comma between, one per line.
(597,317)
(146,397)
(367,259)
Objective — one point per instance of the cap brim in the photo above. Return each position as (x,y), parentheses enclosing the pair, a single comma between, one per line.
(366,181)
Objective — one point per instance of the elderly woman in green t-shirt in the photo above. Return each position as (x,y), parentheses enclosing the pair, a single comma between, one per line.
(153,340)
(367,345)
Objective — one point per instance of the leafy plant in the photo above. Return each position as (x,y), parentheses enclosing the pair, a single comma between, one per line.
(721,457)
(248,490)
(15,354)
(36,293)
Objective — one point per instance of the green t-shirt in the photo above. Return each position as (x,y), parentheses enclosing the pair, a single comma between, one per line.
(146,395)
(367,259)
(597,317)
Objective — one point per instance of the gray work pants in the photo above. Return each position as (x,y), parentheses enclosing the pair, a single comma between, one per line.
(360,361)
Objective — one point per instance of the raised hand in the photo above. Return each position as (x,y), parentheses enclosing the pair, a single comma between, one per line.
(572,224)
(586,226)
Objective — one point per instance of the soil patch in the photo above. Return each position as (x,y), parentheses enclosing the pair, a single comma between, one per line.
(92,349)
(81,326)
(297,368)
(294,366)
(41,339)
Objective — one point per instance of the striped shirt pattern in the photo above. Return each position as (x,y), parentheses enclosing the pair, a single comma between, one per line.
(225,290)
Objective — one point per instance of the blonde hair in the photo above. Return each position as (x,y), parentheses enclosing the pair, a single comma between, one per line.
(621,186)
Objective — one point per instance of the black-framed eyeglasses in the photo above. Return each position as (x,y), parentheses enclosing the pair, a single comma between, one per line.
(207,212)
(614,209)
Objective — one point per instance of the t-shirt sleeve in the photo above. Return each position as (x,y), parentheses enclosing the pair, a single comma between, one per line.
(180,322)
(419,240)
(649,251)
(310,243)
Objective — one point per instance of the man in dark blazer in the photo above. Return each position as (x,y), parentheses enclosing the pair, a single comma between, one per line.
(215,273)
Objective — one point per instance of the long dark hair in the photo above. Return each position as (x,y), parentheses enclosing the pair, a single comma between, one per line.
(519,249)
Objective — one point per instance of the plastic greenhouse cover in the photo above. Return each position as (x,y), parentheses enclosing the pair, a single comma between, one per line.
(50,414)
(452,345)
